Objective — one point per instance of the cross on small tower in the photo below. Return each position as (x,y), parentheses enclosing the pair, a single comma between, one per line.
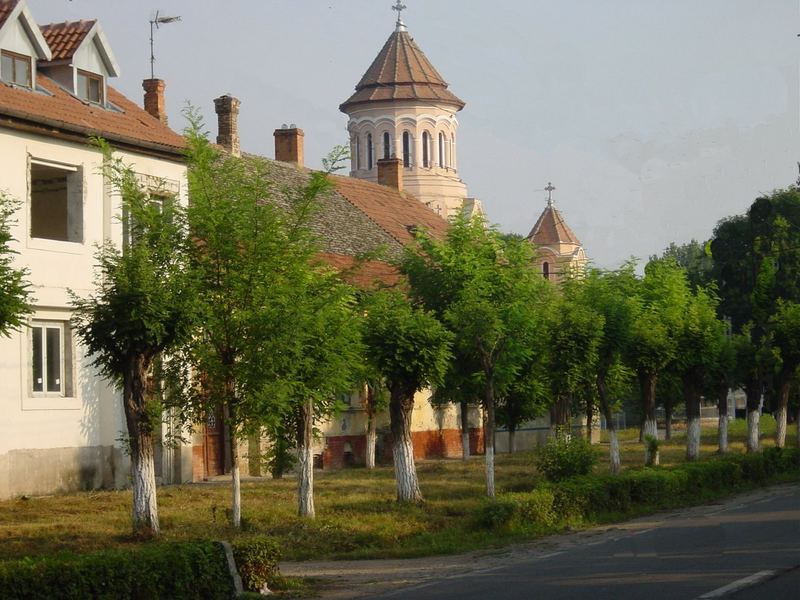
(399,7)
(550,189)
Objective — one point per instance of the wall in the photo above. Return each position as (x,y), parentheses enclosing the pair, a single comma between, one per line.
(57,443)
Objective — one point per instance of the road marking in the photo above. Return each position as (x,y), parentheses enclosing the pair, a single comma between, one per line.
(552,554)
(643,531)
(737,585)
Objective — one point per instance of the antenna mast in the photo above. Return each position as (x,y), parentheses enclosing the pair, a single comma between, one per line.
(155,22)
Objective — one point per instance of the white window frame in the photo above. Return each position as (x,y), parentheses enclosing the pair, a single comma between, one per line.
(67,398)
(61,382)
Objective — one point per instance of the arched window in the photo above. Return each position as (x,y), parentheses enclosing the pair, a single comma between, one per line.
(406,149)
(369,151)
(426,149)
(452,160)
(358,153)
(546,270)
(441,150)
(387,145)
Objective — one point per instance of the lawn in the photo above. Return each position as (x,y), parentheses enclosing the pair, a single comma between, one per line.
(357,515)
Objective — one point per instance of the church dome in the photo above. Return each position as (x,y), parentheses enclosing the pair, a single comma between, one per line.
(401,71)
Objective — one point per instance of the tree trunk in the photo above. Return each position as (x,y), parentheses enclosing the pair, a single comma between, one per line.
(372,428)
(691,397)
(722,409)
(647,381)
(401,405)
(233,442)
(560,416)
(782,412)
(753,397)
(614,458)
(464,430)
(488,435)
(512,439)
(797,424)
(305,478)
(140,433)
(589,418)
(668,419)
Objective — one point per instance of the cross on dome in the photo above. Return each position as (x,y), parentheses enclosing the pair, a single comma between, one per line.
(550,189)
(400,7)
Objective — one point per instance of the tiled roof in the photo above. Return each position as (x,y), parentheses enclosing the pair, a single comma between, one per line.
(6,6)
(551,229)
(53,108)
(65,38)
(397,213)
(364,274)
(401,71)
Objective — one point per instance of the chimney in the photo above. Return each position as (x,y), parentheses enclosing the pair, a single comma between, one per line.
(289,145)
(154,98)
(227,109)
(390,172)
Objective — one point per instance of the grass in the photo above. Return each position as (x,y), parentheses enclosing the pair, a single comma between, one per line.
(357,516)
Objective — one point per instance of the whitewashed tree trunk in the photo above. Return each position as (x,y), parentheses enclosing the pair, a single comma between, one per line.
(488,437)
(647,383)
(650,428)
(401,406)
(614,451)
(693,438)
(236,483)
(464,431)
(305,478)
(372,438)
(753,417)
(143,476)
(781,414)
(723,433)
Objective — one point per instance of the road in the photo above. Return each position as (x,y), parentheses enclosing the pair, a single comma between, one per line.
(745,548)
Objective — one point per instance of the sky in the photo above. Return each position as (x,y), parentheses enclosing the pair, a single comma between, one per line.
(654,119)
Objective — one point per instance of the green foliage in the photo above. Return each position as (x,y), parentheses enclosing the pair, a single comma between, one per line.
(565,456)
(695,258)
(257,562)
(280,458)
(170,572)
(15,293)
(652,443)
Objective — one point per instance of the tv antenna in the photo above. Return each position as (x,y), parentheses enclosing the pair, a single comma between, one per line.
(155,22)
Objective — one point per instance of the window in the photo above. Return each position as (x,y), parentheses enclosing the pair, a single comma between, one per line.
(131,229)
(426,149)
(406,149)
(51,358)
(546,270)
(369,151)
(441,149)
(56,202)
(452,160)
(358,153)
(90,87)
(387,145)
(15,68)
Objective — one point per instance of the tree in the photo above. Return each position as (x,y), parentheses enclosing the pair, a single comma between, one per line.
(526,398)
(143,307)
(612,295)
(251,262)
(663,293)
(698,338)
(493,300)
(694,258)
(721,378)
(785,338)
(411,350)
(376,399)
(15,293)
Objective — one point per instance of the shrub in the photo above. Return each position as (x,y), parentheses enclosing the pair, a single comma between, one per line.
(168,571)
(257,562)
(495,514)
(536,508)
(565,456)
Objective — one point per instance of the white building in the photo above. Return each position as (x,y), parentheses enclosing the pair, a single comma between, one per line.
(60,421)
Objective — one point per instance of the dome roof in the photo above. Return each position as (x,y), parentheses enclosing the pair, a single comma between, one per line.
(551,229)
(401,71)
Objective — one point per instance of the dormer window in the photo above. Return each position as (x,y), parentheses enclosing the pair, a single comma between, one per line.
(15,68)
(90,87)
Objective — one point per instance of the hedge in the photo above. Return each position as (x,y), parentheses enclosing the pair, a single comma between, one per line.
(593,497)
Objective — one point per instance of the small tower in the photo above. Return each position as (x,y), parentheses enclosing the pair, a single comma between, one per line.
(559,249)
(402,108)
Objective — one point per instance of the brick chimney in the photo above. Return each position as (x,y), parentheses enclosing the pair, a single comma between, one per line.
(289,145)
(390,172)
(154,98)
(227,109)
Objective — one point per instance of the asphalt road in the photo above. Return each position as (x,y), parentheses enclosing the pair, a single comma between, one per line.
(744,550)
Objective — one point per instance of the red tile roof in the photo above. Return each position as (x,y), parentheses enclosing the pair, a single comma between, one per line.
(52,108)
(6,6)
(401,71)
(397,213)
(551,229)
(364,274)
(65,38)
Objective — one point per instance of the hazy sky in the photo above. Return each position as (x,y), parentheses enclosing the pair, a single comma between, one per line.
(653,118)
